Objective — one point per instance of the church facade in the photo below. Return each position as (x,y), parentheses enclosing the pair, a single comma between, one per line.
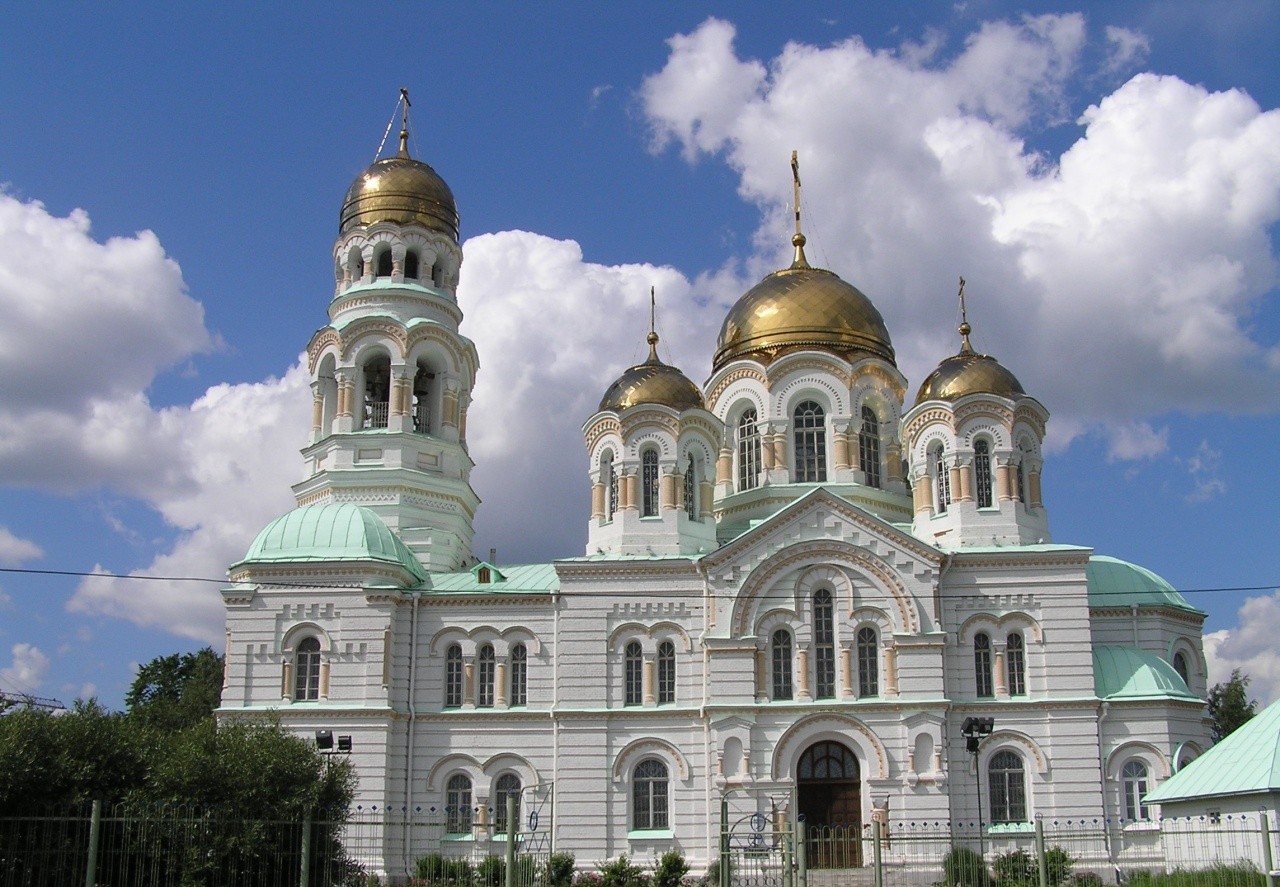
(802,587)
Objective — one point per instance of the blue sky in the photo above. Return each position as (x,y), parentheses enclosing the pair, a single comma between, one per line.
(1107,177)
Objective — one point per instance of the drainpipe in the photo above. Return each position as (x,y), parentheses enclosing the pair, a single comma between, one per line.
(703,713)
(411,705)
(1133,619)
(1102,783)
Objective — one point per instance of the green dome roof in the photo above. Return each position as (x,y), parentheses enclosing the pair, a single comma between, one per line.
(331,533)
(1117,583)
(1128,673)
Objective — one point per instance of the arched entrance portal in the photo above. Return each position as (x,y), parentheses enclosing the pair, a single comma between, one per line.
(829,796)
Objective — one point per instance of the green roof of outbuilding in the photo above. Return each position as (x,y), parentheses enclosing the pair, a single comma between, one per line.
(1246,762)
(1129,673)
(518,579)
(1116,583)
(331,532)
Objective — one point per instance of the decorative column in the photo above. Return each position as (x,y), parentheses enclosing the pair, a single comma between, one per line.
(450,410)
(841,454)
(469,682)
(706,493)
(761,680)
(346,392)
(286,680)
(1002,686)
(893,455)
(500,683)
(846,672)
(630,490)
(802,675)
(1034,483)
(890,670)
(1004,482)
(324,678)
(647,681)
(956,490)
(667,486)
(966,480)
(724,466)
(597,501)
(317,411)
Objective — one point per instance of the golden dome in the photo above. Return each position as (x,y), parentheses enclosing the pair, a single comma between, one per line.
(969,373)
(802,307)
(652,382)
(403,190)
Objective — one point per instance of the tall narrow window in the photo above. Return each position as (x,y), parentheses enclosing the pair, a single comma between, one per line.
(485,671)
(453,677)
(691,489)
(666,673)
(942,480)
(384,263)
(457,805)
(982,472)
(519,694)
(411,265)
(649,796)
(868,662)
(1180,666)
(633,677)
(1008,788)
(609,479)
(507,787)
(982,665)
(1015,659)
(748,450)
(1134,779)
(824,645)
(869,447)
(780,654)
(1020,490)
(811,443)
(306,670)
(649,483)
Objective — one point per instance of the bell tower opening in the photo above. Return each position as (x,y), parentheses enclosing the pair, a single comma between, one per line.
(829,797)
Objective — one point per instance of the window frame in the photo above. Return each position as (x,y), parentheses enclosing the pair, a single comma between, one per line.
(502,789)
(941,479)
(518,660)
(781,679)
(666,673)
(824,644)
(650,796)
(691,489)
(809,433)
(633,674)
(650,484)
(1015,663)
(748,450)
(307,656)
(869,448)
(867,642)
(982,480)
(486,671)
(453,677)
(983,677)
(457,805)
(1007,793)
(1133,786)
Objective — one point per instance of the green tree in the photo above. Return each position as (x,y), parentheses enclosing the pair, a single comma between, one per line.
(1230,705)
(177,691)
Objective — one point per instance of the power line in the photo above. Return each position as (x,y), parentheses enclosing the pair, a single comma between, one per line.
(642,594)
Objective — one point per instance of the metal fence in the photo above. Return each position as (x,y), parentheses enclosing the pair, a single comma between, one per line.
(1239,850)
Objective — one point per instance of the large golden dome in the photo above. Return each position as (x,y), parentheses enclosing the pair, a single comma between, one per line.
(402,190)
(969,373)
(652,382)
(802,307)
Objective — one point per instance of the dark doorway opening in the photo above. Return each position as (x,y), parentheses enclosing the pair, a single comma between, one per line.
(829,797)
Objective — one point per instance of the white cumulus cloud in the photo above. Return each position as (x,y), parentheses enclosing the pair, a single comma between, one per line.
(15,551)
(1251,647)
(27,671)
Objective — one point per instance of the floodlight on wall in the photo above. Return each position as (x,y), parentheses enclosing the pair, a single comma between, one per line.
(344,744)
(324,740)
(974,731)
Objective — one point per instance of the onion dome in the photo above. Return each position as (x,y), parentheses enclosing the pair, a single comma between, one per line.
(969,373)
(802,307)
(652,382)
(402,190)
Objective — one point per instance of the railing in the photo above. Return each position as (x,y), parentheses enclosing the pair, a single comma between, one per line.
(376,413)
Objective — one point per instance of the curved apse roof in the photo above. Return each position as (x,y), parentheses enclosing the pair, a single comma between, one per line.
(1116,583)
(1129,673)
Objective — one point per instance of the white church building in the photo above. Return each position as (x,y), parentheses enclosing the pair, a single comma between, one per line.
(801,580)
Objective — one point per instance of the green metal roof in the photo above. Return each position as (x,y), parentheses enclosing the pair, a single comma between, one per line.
(1246,762)
(331,532)
(1117,583)
(1129,673)
(518,579)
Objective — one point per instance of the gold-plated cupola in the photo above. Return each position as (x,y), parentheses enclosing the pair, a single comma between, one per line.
(652,382)
(968,372)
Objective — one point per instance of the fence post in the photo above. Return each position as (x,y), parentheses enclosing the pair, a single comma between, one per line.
(877,853)
(802,853)
(724,842)
(1268,863)
(95,828)
(788,858)
(304,867)
(512,828)
(1042,859)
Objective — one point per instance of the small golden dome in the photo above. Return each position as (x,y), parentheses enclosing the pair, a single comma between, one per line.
(969,373)
(802,307)
(402,190)
(652,382)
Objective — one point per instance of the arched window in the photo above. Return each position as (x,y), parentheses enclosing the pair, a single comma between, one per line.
(666,672)
(485,671)
(691,489)
(453,677)
(384,263)
(423,381)
(519,694)
(982,472)
(1134,780)
(1008,788)
(306,670)
(869,447)
(411,265)
(633,678)
(811,443)
(982,665)
(357,268)
(649,483)
(457,805)
(824,645)
(1020,482)
(377,392)
(780,656)
(1180,666)
(1015,664)
(942,481)
(649,796)
(868,662)
(610,490)
(437,275)
(507,786)
(748,451)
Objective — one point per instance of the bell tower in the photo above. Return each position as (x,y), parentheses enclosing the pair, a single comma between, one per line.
(391,374)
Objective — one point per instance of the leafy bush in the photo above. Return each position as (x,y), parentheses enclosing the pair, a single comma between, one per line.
(491,872)
(670,870)
(1017,868)
(622,872)
(560,870)
(713,874)
(1086,879)
(963,867)
(436,869)
(1058,862)
(587,879)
